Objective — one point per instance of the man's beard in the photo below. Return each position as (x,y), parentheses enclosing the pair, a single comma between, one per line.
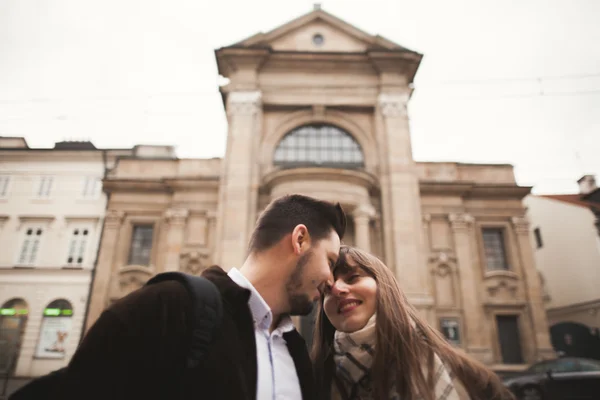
(300,303)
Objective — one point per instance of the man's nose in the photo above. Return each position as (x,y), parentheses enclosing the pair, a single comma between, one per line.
(339,288)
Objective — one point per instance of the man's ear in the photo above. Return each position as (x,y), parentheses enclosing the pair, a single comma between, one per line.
(300,238)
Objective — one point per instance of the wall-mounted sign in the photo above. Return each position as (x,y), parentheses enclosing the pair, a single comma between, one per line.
(450,328)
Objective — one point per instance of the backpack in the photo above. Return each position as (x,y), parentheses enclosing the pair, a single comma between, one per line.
(207,312)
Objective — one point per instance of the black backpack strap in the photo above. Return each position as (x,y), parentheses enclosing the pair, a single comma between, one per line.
(207,311)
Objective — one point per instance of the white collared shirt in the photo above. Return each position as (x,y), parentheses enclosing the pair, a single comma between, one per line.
(277,377)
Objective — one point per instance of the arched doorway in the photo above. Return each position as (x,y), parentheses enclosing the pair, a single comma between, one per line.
(575,340)
(13,319)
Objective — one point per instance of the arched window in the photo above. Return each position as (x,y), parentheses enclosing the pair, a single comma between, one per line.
(13,319)
(55,330)
(318,146)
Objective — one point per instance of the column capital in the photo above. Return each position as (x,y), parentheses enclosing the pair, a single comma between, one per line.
(521,225)
(393,104)
(176,215)
(244,102)
(364,211)
(114,218)
(461,221)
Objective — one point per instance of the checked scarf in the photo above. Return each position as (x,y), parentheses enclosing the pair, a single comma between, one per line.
(353,358)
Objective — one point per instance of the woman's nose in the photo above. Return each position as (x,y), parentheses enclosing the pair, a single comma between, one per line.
(339,288)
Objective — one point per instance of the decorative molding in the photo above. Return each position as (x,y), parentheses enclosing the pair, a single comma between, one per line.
(364,211)
(114,218)
(462,221)
(441,257)
(176,215)
(244,102)
(502,280)
(193,262)
(318,110)
(393,105)
(521,225)
(133,277)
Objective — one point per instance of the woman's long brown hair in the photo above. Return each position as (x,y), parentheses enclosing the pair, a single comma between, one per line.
(402,349)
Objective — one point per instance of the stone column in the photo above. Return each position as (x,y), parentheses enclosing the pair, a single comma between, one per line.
(237,194)
(534,293)
(104,265)
(400,192)
(362,216)
(477,335)
(175,219)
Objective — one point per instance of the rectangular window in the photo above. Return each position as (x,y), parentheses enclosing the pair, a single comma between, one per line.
(141,245)
(30,247)
(77,246)
(91,187)
(509,339)
(45,187)
(4,181)
(495,251)
(538,238)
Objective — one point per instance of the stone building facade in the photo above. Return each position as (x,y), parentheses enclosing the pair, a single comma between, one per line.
(51,218)
(319,107)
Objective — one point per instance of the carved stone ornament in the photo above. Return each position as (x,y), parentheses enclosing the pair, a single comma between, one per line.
(193,262)
(461,221)
(114,218)
(443,263)
(244,103)
(132,278)
(393,104)
(521,224)
(176,215)
(497,285)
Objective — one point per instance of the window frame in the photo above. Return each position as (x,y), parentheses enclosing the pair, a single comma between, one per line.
(134,224)
(320,145)
(78,249)
(28,253)
(39,192)
(94,194)
(5,185)
(537,236)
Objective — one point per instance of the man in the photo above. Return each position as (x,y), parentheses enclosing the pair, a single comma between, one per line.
(138,346)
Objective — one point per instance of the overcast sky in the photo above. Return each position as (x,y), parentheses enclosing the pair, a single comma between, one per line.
(507,81)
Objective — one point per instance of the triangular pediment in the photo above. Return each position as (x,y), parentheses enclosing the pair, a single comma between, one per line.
(319,31)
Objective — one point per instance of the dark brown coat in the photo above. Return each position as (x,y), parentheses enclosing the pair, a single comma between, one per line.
(137,349)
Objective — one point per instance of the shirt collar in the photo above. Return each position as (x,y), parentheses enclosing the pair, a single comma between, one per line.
(261,312)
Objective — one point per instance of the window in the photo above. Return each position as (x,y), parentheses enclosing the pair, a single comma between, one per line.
(450,328)
(55,330)
(4,181)
(495,252)
(319,146)
(589,365)
(318,39)
(13,319)
(45,187)
(91,187)
(30,246)
(141,245)
(77,246)
(509,339)
(538,238)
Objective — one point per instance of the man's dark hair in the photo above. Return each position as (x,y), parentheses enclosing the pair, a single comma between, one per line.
(284,214)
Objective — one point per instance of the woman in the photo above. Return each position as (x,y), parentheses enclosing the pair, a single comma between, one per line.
(370,343)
